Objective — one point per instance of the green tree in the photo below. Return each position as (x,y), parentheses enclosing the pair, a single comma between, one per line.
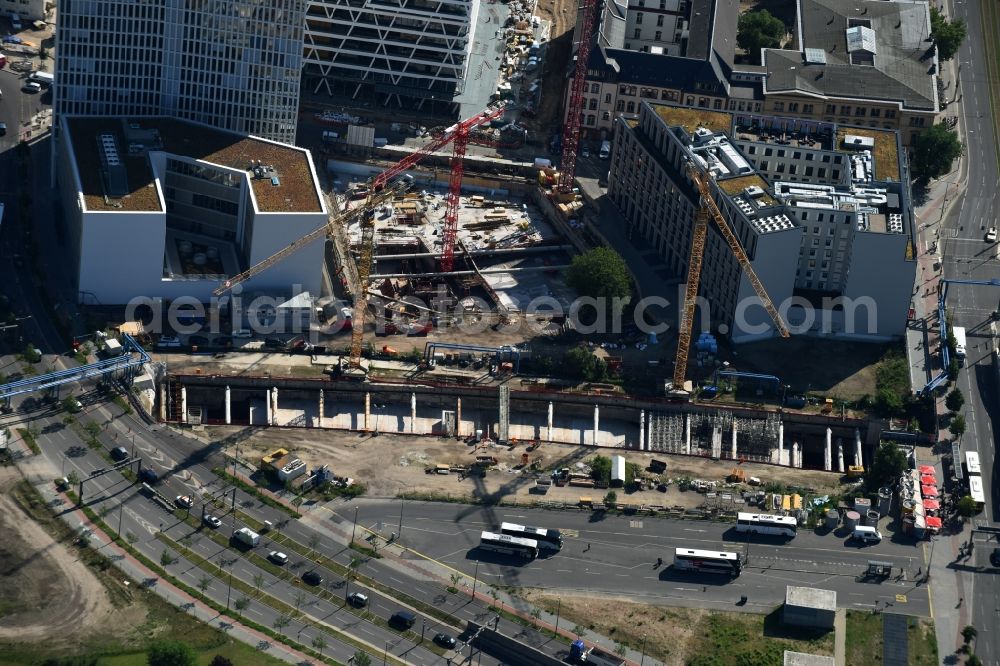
(258,582)
(281,622)
(934,151)
(169,652)
(580,363)
(957,426)
(241,605)
(166,558)
(621,649)
(892,384)
(599,273)
(219,660)
(969,632)
(319,643)
(361,659)
(966,507)
(204,583)
(947,35)
(611,498)
(973,660)
(600,469)
(759,30)
(889,464)
(955,400)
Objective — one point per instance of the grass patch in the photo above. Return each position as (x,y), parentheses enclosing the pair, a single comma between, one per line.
(885,153)
(922,642)
(123,405)
(29,438)
(721,639)
(864,636)
(255,491)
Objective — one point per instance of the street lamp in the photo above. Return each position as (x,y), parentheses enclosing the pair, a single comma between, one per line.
(642,661)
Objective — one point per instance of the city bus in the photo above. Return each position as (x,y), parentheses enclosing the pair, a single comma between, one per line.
(976,490)
(709,561)
(508,545)
(972,463)
(547,539)
(762,523)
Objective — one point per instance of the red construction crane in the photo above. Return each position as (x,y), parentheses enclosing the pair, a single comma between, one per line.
(574,110)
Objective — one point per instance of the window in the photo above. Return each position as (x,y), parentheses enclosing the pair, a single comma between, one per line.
(845,110)
(638,18)
(659,22)
(876,113)
(630,107)
(717,104)
(592,105)
(669,95)
(890,113)
(807,108)
(659,35)
(595,88)
(860,111)
(606,115)
(637,34)
(831,108)
(607,98)
(917,122)
(620,106)
(793,107)
(591,119)
(779,106)
(809,171)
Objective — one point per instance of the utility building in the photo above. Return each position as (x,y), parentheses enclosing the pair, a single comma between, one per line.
(164,208)
(809,607)
(826,222)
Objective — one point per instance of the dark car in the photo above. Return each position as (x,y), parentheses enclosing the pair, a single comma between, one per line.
(312,577)
(119,453)
(357,599)
(146,475)
(995,557)
(402,619)
(445,641)
(273,343)
(3,128)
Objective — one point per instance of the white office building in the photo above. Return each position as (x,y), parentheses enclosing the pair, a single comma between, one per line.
(231,64)
(163,208)
(403,54)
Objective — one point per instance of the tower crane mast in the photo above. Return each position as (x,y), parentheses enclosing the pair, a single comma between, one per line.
(708,208)
(574,109)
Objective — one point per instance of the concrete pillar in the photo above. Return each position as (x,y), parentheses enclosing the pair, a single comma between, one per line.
(413,412)
(268,408)
(796,462)
(458,417)
(274,406)
(857,448)
(368,412)
(229,409)
(687,434)
(840,455)
(781,444)
(828,451)
(642,429)
(163,402)
(734,441)
(184,404)
(597,423)
(322,408)
(548,436)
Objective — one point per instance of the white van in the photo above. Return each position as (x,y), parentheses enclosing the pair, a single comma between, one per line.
(959,333)
(605,150)
(43,78)
(866,534)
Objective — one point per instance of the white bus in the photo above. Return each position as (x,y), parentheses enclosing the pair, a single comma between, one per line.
(709,561)
(762,523)
(972,463)
(508,545)
(976,490)
(959,334)
(547,539)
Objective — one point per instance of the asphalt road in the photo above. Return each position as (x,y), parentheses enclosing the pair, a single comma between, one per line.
(617,555)
(967,256)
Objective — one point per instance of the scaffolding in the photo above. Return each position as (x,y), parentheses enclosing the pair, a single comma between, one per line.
(503,428)
(711,434)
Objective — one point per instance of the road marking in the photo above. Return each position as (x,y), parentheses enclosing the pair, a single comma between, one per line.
(901,598)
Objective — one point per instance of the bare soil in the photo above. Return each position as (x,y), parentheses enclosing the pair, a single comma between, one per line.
(562,17)
(47,593)
(390,464)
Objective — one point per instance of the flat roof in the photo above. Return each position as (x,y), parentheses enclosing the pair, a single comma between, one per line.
(734,186)
(885,153)
(296,191)
(692,119)
(811,597)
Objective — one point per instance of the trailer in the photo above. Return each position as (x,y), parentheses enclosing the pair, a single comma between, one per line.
(617,471)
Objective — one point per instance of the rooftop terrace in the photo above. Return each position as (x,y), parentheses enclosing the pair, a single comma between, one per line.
(295,191)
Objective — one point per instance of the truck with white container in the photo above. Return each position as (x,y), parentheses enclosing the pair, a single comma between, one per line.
(959,333)
(579,653)
(247,537)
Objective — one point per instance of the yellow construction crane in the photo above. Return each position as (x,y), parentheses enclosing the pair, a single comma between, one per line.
(707,207)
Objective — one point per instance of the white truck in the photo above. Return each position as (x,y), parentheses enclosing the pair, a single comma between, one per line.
(247,537)
(959,334)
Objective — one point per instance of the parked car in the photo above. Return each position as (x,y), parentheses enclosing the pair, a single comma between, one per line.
(277,557)
(357,599)
(119,453)
(445,641)
(274,343)
(3,129)
(184,501)
(212,521)
(243,333)
(31,87)
(991,235)
(312,578)
(995,557)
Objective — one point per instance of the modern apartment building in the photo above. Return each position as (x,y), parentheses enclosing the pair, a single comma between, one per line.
(165,208)
(825,219)
(867,62)
(231,64)
(26,10)
(399,54)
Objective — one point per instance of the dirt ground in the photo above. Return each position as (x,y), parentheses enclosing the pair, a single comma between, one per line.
(562,16)
(390,464)
(47,594)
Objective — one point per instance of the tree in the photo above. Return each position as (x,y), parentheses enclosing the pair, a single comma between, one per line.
(281,622)
(361,659)
(319,643)
(889,464)
(759,30)
(621,649)
(204,583)
(966,507)
(314,541)
(241,605)
(169,652)
(219,660)
(973,660)
(892,384)
(957,426)
(934,150)
(580,363)
(600,273)
(456,578)
(258,582)
(969,632)
(955,400)
(166,558)
(600,469)
(611,498)
(299,598)
(947,35)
